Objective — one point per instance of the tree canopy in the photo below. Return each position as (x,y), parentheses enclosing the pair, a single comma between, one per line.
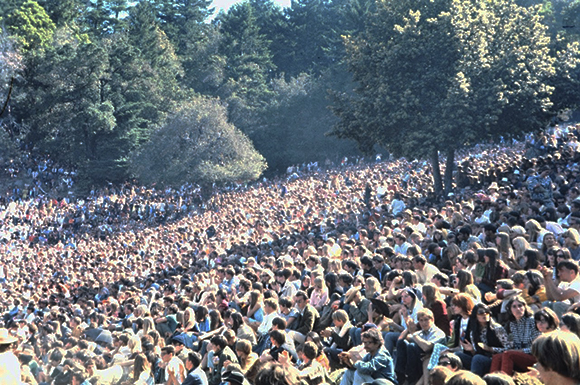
(435,76)
(94,81)
(195,144)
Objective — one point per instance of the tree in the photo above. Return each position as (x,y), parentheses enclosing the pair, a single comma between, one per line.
(31,26)
(248,65)
(434,76)
(294,124)
(197,145)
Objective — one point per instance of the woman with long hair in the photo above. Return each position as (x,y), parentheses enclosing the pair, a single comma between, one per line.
(372,288)
(433,300)
(522,330)
(494,270)
(487,338)
(572,242)
(319,297)
(534,290)
(465,285)
(548,242)
(448,260)
(142,374)
(242,330)
(504,246)
(255,307)
(461,306)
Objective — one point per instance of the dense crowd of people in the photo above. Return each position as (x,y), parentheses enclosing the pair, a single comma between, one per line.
(360,274)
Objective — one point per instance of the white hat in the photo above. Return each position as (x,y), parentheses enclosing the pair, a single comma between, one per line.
(6,338)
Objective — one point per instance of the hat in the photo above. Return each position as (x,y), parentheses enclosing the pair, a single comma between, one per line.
(6,338)
(368,326)
(380,306)
(378,381)
(233,377)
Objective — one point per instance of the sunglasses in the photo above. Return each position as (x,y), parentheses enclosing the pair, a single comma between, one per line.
(482,311)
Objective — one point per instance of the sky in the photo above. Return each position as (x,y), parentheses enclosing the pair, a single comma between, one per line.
(226,4)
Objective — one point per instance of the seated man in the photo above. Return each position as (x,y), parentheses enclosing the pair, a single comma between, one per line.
(376,364)
(567,292)
(412,348)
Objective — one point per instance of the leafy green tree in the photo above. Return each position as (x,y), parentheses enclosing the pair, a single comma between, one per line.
(63,12)
(435,76)
(197,144)
(68,113)
(31,26)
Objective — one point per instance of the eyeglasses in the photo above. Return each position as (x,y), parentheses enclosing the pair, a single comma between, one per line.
(445,363)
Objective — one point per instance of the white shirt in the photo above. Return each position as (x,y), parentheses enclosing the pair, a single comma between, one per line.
(9,368)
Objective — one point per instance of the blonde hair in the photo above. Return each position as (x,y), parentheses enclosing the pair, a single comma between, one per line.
(374,285)
(573,234)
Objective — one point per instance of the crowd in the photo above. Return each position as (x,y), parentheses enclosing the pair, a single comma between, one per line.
(346,276)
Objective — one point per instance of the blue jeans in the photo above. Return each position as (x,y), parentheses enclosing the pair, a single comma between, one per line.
(478,364)
(409,362)
(391,342)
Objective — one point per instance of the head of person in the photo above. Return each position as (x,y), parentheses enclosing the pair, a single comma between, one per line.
(498,379)
(463,377)
(339,318)
(546,320)
(301,299)
(450,361)
(167,353)
(278,337)
(567,270)
(193,361)
(517,309)
(558,355)
(276,374)
(219,343)
(243,348)
(439,375)
(462,304)
(571,323)
(480,315)
(372,340)
(425,318)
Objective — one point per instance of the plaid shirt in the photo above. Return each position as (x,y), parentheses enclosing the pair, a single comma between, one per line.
(522,333)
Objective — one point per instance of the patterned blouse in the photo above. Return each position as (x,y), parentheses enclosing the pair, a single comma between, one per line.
(522,333)
(501,335)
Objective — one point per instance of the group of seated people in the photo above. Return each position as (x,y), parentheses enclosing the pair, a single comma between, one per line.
(289,289)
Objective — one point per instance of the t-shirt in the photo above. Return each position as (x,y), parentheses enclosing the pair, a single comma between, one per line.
(574,285)
(175,365)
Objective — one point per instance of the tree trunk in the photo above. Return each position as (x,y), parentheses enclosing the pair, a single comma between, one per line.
(436,172)
(449,163)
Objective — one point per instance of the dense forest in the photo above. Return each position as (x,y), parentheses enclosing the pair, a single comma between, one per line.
(165,92)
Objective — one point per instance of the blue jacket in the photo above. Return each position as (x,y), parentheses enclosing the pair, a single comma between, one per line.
(378,366)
